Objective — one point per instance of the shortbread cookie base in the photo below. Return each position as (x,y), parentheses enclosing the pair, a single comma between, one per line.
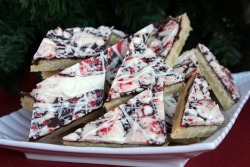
(183,34)
(47,74)
(181,132)
(176,88)
(54,64)
(215,84)
(183,141)
(114,39)
(56,136)
(116,102)
(27,102)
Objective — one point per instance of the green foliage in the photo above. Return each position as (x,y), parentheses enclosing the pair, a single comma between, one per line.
(221,25)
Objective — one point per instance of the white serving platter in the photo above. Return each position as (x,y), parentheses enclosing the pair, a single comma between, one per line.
(14,129)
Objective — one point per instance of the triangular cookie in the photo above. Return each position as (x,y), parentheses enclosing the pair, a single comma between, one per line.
(218,76)
(197,115)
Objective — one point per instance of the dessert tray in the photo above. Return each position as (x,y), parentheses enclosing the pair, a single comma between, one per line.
(14,129)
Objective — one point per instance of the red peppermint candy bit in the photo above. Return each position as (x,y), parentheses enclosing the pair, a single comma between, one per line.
(88,61)
(93,103)
(190,120)
(38,115)
(110,52)
(193,71)
(33,126)
(106,129)
(100,68)
(97,61)
(129,83)
(81,68)
(143,59)
(132,70)
(119,46)
(199,103)
(124,86)
(121,79)
(168,43)
(50,56)
(171,23)
(128,58)
(45,122)
(74,100)
(155,127)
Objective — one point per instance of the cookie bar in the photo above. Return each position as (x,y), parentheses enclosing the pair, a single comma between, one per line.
(65,99)
(27,100)
(63,48)
(197,115)
(219,77)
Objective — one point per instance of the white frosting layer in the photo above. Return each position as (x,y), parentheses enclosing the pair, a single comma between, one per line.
(67,87)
